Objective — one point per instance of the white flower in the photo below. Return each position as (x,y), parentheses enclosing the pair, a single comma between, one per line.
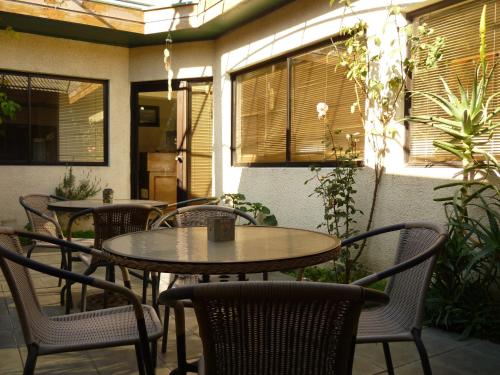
(322,108)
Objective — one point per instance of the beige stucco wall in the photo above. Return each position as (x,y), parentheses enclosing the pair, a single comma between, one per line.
(406,192)
(189,60)
(31,53)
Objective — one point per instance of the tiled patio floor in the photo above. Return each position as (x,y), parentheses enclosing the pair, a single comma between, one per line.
(448,355)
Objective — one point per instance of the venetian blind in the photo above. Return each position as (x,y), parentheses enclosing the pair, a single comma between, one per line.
(317,78)
(459,25)
(200,169)
(261,115)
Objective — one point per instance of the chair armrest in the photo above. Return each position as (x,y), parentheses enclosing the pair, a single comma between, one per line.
(371,233)
(162,219)
(209,200)
(73,218)
(169,296)
(57,241)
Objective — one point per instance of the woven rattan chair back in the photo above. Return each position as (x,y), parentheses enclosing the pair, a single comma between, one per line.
(39,203)
(407,289)
(22,289)
(277,327)
(197,216)
(114,220)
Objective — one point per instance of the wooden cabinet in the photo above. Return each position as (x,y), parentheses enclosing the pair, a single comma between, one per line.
(162,177)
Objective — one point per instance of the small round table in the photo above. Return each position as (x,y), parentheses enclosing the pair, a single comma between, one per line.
(255,249)
(80,205)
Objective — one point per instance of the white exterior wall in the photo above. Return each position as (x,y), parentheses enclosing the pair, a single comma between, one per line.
(32,53)
(406,192)
(189,60)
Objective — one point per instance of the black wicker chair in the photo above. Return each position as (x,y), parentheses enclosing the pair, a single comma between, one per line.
(277,328)
(110,221)
(409,278)
(134,324)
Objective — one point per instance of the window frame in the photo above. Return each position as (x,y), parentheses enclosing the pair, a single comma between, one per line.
(105,84)
(287,58)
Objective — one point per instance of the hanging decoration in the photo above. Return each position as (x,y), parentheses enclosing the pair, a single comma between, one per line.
(167,60)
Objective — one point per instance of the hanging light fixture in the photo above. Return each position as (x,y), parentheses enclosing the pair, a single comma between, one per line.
(167,60)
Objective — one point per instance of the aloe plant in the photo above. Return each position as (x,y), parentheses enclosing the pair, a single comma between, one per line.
(470,125)
(461,296)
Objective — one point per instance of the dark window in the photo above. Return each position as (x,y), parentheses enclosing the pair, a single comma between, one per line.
(275,119)
(60,121)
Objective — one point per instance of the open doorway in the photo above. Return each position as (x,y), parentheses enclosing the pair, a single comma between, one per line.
(171,141)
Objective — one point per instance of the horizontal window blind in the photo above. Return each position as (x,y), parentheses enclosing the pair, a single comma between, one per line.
(459,25)
(316,77)
(200,169)
(261,115)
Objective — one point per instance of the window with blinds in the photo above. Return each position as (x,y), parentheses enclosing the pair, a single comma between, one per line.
(200,169)
(261,115)
(61,120)
(459,25)
(275,115)
(315,78)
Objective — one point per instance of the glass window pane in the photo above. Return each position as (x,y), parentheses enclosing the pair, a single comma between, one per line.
(317,78)
(81,123)
(261,115)
(14,133)
(60,121)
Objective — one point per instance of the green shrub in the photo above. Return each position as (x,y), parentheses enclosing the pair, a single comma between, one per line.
(87,187)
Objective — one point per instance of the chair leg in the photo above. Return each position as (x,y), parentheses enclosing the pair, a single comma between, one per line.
(180,332)
(424,358)
(64,266)
(154,351)
(165,329)
(69,299)
(140,359)
(155,286)
(388,359)
(145,281)
(30,250)
(29,366)
(83,298)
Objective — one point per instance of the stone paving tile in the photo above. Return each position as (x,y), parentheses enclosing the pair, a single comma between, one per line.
(481,358)
(78,363)
(10,360)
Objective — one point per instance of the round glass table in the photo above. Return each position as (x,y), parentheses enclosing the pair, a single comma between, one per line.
(255,249)
(80,205)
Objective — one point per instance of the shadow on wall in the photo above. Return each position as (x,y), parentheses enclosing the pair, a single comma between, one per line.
(402,199)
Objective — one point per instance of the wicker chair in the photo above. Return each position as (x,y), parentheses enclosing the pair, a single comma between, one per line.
(127,325)
(401,319)
(193,201)
(277,328)
(40,218)
(110,221)
(195,216)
